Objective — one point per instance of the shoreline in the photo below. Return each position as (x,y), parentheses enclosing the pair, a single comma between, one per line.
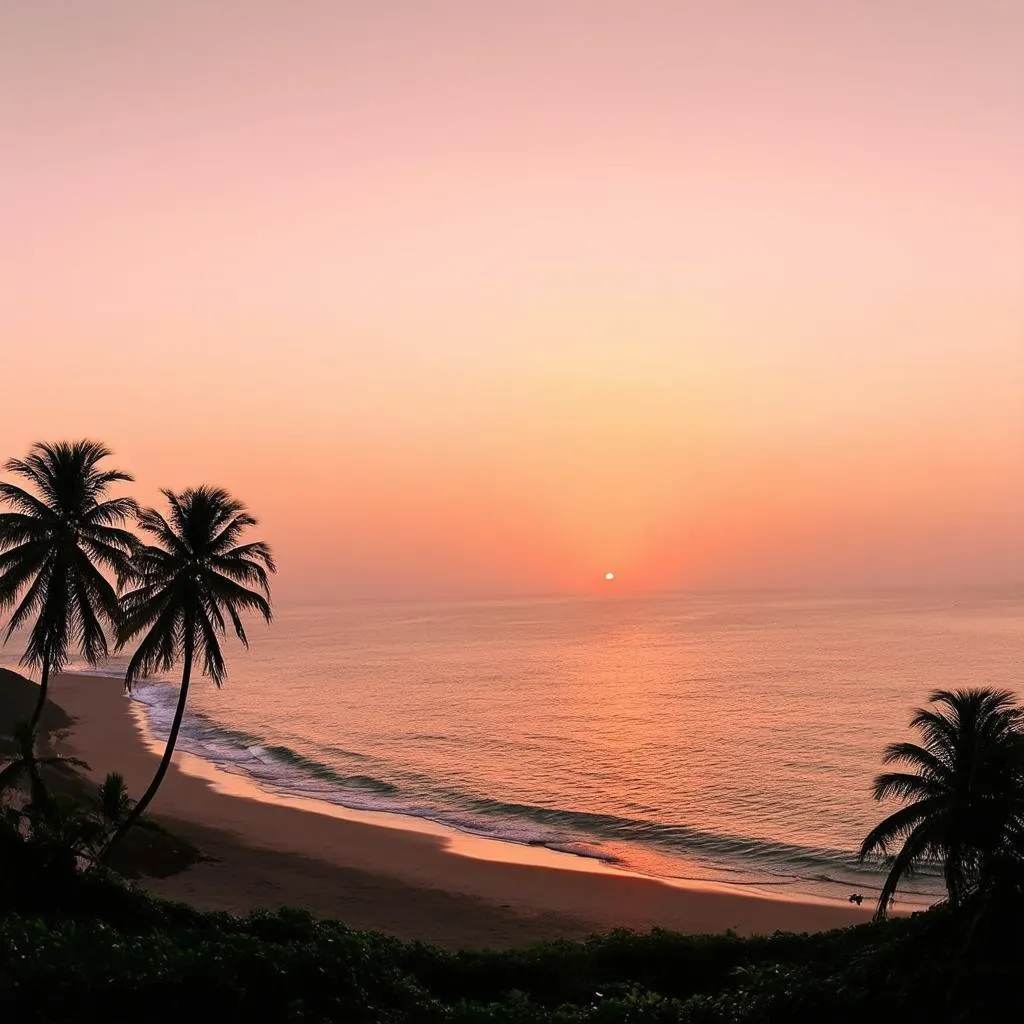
(458,842)
(411,877)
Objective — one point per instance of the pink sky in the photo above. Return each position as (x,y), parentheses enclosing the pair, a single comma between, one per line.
(475,297)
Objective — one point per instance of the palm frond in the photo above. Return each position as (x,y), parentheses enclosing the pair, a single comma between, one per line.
(26,569)
(152,522)
(245,570)
(208,647)
(236,622)
(31,552)
(24,503)
(160,647)
(229,534)
(896,827)
(92,641)
(906,785)
(915,756)
(226,591)
(33,597)
(20,528)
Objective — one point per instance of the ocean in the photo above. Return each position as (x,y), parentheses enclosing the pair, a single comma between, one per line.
(729,738)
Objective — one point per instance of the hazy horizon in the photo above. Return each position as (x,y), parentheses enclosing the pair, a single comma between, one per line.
(595,592)
(470,299)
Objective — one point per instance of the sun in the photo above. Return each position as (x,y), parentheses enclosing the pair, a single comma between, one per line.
(609,576)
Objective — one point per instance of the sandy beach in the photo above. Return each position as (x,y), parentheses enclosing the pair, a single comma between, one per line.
(409,878)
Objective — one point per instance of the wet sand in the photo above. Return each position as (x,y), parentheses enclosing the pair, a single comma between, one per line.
(407,877)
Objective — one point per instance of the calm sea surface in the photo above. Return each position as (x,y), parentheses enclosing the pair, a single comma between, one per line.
(725,737)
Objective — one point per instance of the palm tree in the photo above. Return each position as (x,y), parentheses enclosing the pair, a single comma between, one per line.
(963,794)
(113,801)
(195,579)
(113,806)
(25,765)
(54,545)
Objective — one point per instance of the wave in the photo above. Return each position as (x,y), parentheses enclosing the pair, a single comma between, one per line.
(610,838)
(274,765)
(779,863)
(107,671)
(317,768)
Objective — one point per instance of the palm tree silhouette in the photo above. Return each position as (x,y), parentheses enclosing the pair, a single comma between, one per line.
(113,801)
(188,585)
(54,545)
(25,765)
(964,794)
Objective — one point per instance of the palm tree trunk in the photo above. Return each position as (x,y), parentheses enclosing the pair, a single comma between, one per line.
(44,682)
(40,796)
(165,762)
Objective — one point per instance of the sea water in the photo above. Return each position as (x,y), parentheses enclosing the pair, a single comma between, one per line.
(720,737)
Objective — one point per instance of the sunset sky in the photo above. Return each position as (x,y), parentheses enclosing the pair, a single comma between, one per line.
(472,297)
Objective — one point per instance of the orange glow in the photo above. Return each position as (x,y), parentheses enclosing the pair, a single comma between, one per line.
(482,298)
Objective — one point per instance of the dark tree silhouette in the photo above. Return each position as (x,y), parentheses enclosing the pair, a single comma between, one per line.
(963,794)
(113,805)
(24,766)
(188,586)
(54,545)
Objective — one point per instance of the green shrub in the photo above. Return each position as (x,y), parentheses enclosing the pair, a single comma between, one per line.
(104,951)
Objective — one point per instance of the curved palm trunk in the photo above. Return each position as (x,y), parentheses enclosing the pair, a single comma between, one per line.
(44,683)
(165,762)
(40,795)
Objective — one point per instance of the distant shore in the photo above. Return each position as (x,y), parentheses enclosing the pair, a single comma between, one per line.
(409,878)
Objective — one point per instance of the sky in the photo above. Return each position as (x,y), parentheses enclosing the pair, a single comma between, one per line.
(469,298)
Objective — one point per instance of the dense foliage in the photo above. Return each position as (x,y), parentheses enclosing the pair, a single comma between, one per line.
(102,951)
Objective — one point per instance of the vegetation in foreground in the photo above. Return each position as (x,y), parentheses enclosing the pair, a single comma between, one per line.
(95,950)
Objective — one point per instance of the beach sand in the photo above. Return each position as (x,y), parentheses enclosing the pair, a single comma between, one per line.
(408,878)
